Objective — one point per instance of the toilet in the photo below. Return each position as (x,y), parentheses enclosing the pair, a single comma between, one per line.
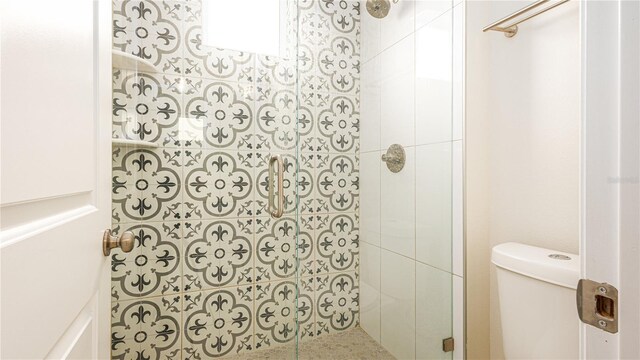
(537,294)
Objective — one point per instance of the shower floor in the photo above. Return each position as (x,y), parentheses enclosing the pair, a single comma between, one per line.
(347,345)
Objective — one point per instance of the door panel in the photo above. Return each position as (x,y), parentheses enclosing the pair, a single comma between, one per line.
(54,196)
(46,279)
(48,99)
(78,341)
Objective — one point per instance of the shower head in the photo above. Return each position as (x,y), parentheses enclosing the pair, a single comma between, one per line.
(378,8)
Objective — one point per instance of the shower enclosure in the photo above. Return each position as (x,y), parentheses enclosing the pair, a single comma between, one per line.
(268,213)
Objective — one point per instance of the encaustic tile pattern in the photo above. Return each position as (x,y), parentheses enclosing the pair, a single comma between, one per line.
(212,274)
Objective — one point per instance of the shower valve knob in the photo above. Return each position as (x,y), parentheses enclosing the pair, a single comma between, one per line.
(395,158)
(391,159)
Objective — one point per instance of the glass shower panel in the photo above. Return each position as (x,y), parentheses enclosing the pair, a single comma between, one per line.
(410,219)
(212,273)
(328,176)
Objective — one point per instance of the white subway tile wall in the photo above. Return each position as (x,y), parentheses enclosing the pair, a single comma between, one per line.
(411,222)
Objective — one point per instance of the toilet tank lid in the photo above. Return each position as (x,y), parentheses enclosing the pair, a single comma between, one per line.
(551,266)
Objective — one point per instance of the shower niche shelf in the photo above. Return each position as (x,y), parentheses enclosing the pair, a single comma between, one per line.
(125,61)
(133,143)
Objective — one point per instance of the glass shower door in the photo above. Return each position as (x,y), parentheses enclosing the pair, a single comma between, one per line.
(195,126)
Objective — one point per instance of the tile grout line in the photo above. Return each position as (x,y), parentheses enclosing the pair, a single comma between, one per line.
(227,287)
(380,188)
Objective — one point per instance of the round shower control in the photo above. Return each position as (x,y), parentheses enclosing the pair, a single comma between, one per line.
(395,158)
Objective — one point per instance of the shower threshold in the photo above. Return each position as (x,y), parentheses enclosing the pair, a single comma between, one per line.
(352,344)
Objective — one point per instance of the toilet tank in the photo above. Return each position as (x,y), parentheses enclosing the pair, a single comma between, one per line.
(537,294)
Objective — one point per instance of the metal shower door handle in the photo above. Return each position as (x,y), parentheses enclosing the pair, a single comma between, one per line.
(276,212)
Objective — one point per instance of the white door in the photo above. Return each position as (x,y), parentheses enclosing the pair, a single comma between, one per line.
(610,237)
(55,169)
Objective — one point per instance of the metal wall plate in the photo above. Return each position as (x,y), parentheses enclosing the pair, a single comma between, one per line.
(378,8)
(395,158)
(598,305)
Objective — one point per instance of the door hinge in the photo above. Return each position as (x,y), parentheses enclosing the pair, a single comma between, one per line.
(598,305)
(448,344)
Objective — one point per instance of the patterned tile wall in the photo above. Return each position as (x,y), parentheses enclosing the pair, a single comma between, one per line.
(212,274)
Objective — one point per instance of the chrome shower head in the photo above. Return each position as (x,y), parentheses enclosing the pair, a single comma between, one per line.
(378,8)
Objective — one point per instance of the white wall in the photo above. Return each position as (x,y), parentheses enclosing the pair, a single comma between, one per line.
(477,181)
(532,152)
(534,142)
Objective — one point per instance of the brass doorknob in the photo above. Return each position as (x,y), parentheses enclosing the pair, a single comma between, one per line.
(125,242)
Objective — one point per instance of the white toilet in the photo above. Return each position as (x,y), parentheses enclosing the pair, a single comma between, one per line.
(537,293)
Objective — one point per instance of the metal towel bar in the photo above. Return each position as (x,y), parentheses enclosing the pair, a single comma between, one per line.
(512,29)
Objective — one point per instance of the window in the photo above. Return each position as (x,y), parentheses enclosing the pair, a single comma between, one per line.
(253,26)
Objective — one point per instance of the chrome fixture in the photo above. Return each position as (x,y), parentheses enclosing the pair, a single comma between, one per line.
(512,29)
(379,8)
(276,212)
(125,242)
(395,158)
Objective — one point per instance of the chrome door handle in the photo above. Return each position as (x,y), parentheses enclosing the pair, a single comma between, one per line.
(276,212)
(125,242)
